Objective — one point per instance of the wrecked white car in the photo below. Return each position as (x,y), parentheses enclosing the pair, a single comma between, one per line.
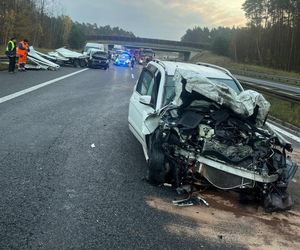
(197,125)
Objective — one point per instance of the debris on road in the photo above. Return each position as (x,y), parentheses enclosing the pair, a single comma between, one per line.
(190,201)
(69,57)
(40,61)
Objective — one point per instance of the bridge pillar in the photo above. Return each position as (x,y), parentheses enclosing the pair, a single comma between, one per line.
(186,56)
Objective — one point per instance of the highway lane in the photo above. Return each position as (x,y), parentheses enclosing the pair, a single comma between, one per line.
(59,192)
(270,84)
(11,83)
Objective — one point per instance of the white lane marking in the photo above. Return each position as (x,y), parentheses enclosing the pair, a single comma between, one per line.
(132,76)
(41,85)
(287,134)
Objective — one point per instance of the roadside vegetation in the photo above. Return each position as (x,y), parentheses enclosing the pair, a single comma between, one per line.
(44,24)
(284,110)
(271,38)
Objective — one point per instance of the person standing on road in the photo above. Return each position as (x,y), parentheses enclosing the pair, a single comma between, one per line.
(132,62)
(11,54)
(22,52)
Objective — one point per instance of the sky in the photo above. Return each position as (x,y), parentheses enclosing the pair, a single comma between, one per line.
(162,19)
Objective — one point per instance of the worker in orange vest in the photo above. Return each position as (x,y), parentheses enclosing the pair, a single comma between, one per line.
(22,52)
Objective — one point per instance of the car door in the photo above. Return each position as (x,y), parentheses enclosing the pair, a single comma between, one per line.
(139,111)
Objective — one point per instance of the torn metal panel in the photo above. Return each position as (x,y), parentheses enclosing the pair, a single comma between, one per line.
(243,104)
(70,54)
(42,62)
(57,56)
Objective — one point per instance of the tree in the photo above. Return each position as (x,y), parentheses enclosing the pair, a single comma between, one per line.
(76,37)
(220,46)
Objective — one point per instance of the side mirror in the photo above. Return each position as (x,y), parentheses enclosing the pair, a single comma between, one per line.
(145,99)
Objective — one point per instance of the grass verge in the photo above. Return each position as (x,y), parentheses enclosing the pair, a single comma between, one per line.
(284,110)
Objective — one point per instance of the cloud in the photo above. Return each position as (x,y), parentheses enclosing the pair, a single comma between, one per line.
(165,19)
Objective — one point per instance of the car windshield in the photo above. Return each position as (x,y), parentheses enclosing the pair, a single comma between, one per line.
(100,54)
(229,82)
(169,89)
(124,56)
(87,48)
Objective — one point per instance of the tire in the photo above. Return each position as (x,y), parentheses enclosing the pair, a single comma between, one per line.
(156,172)
(76,63)
(82,63)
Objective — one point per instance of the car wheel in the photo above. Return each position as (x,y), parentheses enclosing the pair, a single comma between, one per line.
(76,63)
(82,63)
(156,172)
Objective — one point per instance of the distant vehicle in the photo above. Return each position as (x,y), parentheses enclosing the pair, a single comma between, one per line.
(145,56)
(98,59)
(90,46)
(115,53)
(123,60)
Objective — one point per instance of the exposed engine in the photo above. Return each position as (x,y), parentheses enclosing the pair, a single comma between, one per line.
(229,151)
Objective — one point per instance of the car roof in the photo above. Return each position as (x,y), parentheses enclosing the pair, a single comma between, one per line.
(207,70)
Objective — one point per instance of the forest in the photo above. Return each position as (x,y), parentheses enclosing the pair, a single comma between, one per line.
(271,38)
(45,25)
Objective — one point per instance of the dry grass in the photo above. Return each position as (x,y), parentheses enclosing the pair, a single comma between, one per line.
(284,110)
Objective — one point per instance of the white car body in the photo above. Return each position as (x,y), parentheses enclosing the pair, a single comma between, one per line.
(196,122)
(139,109)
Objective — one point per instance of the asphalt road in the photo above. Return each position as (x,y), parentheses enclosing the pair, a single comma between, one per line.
(59,192)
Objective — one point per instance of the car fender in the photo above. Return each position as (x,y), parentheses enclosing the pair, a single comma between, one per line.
(151,122)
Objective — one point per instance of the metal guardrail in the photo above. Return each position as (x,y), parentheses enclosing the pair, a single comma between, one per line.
(288,96)
(280,79)
(3,59)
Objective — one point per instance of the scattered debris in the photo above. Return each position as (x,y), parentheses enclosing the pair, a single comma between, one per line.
(39,61)
(190,201)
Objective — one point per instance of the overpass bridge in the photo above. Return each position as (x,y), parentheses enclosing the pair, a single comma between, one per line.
(156,44)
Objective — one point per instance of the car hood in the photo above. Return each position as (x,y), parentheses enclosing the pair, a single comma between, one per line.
(246,104)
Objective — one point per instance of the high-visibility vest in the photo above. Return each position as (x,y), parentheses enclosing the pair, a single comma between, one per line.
(12,46)
(23,52)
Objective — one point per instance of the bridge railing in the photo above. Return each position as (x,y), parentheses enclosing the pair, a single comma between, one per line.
(149,41)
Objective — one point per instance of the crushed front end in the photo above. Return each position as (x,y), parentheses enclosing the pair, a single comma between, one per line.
(210,142)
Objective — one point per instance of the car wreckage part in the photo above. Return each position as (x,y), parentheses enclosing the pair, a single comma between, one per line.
(213,135)
(229,152)
(156,172)
(39,60)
